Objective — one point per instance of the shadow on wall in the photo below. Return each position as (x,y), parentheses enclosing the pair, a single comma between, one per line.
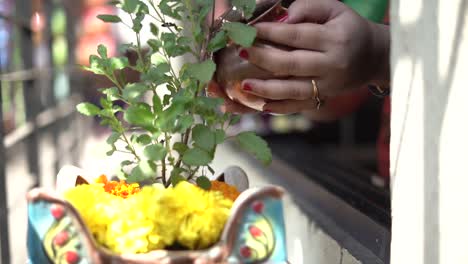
(435,107)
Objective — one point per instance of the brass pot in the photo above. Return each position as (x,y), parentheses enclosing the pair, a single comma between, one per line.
(232,70)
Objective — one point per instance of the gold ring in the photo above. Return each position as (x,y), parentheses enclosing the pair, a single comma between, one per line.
(316,95)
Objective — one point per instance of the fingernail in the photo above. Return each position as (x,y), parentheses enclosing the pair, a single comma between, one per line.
(267,110)
(247,87)
(244,54)
(283,17)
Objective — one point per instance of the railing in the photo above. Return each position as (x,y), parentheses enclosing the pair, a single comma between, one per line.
(30,74)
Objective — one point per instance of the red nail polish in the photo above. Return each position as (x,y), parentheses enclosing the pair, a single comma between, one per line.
(282,17)
(267,110)
(247,87)
(244,54)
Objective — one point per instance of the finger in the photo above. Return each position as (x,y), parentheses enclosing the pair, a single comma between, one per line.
(297,89)
(303,36)
(290,63)
(317,11)
(289,106)
(228,106)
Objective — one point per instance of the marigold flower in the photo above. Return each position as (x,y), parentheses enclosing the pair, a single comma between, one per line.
(153,218)
(121,188)
(228,191)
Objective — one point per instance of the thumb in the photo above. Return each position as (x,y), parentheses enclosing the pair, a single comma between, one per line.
(313,11)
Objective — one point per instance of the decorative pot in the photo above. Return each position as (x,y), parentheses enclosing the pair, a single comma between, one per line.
(232,69)
(254,232)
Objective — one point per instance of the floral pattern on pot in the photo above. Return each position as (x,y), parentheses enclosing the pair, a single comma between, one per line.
(53,230)
(262,234)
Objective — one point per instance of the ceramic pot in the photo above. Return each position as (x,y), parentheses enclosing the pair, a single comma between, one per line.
(254,233)
(232,69)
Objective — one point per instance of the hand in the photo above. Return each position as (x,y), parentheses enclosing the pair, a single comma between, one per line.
(229,106)
(332,44)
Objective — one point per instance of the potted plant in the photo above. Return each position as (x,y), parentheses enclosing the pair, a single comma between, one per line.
(170,131)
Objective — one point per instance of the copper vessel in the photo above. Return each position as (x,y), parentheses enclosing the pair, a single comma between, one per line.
(232,69)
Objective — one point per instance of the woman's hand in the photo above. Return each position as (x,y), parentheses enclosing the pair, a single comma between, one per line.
(228,106)
(331,44)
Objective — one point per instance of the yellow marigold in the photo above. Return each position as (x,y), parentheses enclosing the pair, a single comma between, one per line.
(229,191)
(96,207)
(121,188)
(204,215)
(153,218)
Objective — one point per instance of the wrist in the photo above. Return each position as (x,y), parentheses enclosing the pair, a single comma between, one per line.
(380,55)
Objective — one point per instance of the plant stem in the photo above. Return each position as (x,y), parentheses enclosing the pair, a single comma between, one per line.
(132,149)
(123,151)
(213,16)
(192,174)
(163,171)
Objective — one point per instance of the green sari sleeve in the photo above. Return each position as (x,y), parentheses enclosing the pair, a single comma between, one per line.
(373,10)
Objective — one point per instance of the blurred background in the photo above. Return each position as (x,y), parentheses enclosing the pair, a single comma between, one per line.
(41,44)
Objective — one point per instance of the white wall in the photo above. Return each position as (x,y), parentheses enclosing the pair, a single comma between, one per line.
(429,131)
(307,243)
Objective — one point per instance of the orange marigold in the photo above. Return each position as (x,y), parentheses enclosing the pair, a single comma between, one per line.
(228,191)
(120,188)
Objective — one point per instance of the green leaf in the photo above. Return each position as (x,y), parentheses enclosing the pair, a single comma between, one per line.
(137,25)
(130,6)
(110,152)
(201,71)
(96,65)
(144,170)
(102,51)
(166,99)
(163,67)
(247,7)
(235,119)
(109,18)
(241,34)
(184,122)
(180,147)
(126,163)
(155,152)
(203,182)
(112,93)
(106,104)
(154,44)
(173,49)
(134,91)
(142,8)
(167,120)
(154,29)
(157,104)
(113,138)
(196,157)
(123,48)
(140,114)
(143,139)
(155,76)
(208,103)
(218,42)
(176,178)
(88,109)
(113,2)
(220,136)
(118,63)
(184,41)
(168,10)
(255,145)
(203,137)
